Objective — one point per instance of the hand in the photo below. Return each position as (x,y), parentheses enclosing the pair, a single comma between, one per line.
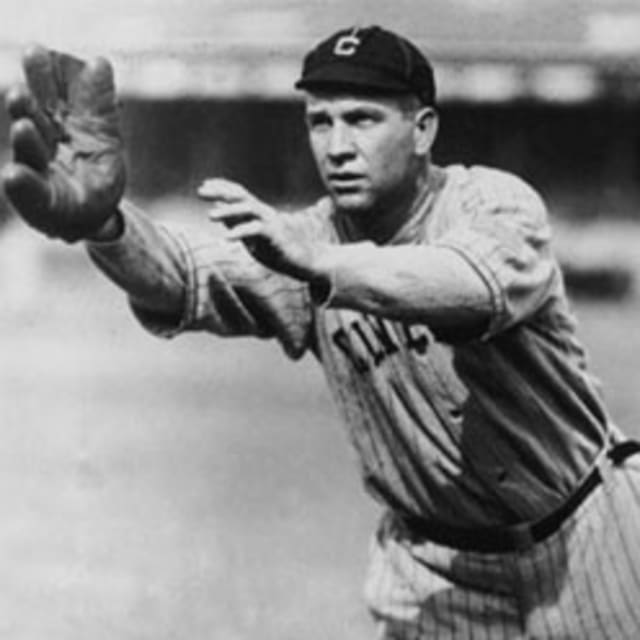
(67,175)
(280,241)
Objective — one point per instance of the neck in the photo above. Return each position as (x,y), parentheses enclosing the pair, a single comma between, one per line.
(389,216)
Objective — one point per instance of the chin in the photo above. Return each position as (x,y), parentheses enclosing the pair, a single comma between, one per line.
(352,202)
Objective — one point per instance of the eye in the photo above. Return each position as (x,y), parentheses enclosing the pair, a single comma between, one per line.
(362,118)
(318,121)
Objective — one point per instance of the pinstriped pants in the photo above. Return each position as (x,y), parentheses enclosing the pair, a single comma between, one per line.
(583,582)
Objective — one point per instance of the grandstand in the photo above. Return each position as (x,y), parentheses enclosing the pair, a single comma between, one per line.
(487,50)
(544,88)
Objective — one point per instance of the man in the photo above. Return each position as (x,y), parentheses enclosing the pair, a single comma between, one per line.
(430,297)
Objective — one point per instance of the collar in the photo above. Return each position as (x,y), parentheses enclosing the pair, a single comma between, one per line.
(420,209)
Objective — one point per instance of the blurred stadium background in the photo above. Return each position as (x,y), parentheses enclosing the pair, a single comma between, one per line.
(202,488)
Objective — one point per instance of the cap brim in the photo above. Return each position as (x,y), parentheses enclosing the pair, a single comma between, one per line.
(349,76)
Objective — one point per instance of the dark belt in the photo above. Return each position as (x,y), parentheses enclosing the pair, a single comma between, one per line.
(521,536)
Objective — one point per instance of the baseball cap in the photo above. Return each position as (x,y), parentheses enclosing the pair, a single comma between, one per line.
(369,59)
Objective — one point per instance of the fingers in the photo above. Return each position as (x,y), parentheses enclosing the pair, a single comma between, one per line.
(20,104)
(232,202)
(219,189)
(39,71)
(51,75)
(28,146)
(28,191)
(232,214)
(94,93)
(66,70)
(63,85)
(245,217)
(246,230)
(242,222)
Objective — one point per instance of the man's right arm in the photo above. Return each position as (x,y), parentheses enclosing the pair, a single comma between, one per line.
(143,260)
(67,178)
(189,278)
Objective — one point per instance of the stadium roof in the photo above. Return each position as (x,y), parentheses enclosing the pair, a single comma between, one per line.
(494,50)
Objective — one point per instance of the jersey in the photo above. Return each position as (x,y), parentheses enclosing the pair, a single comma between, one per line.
(490,429)
(493,430)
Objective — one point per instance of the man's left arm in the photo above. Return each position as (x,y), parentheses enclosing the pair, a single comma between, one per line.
(422,284)
(487,272)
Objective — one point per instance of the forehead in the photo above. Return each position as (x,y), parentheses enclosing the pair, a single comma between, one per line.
(342,102)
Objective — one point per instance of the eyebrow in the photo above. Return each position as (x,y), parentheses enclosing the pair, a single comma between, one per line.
(369,108)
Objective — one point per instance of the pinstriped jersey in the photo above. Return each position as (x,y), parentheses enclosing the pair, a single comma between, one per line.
(490,429)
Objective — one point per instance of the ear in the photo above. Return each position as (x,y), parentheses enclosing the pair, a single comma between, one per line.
(425,130)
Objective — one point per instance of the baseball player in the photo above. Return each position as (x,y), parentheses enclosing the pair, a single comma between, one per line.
(431,299)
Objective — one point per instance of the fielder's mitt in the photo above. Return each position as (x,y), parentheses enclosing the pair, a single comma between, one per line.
(67,175)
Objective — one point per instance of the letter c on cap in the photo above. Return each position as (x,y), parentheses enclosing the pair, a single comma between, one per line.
(347,45)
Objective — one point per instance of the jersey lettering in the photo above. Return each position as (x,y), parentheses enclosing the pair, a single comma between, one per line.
(369,341)
(382,334)
(341,340)
(378,354)
(415,342)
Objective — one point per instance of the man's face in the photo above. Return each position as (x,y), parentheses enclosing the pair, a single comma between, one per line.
(365,147)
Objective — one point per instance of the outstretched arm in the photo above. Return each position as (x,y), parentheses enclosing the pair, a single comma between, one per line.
(190,278)
(491,269)
(67,177)
(429,284)
(68,173)
(67,180)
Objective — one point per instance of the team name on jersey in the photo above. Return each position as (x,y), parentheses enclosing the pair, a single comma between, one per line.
(368,341)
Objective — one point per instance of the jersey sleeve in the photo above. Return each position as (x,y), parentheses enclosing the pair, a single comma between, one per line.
(502,231)
(222,288)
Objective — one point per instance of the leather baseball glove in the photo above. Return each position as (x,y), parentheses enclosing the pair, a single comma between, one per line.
(68,172)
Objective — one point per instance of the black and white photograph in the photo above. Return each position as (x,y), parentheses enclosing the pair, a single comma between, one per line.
(319,320)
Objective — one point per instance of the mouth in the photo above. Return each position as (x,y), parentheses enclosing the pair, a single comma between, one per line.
(345,182)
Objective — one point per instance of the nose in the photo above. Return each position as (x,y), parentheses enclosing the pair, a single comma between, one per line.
(341,145)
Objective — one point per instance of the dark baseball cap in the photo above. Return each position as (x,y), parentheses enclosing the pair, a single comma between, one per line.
(370,59)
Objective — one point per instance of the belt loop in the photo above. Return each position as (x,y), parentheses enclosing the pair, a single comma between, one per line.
(522,537)
(614,435)
(605,466)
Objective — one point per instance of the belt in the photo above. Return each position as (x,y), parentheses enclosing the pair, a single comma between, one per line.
(521,536)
